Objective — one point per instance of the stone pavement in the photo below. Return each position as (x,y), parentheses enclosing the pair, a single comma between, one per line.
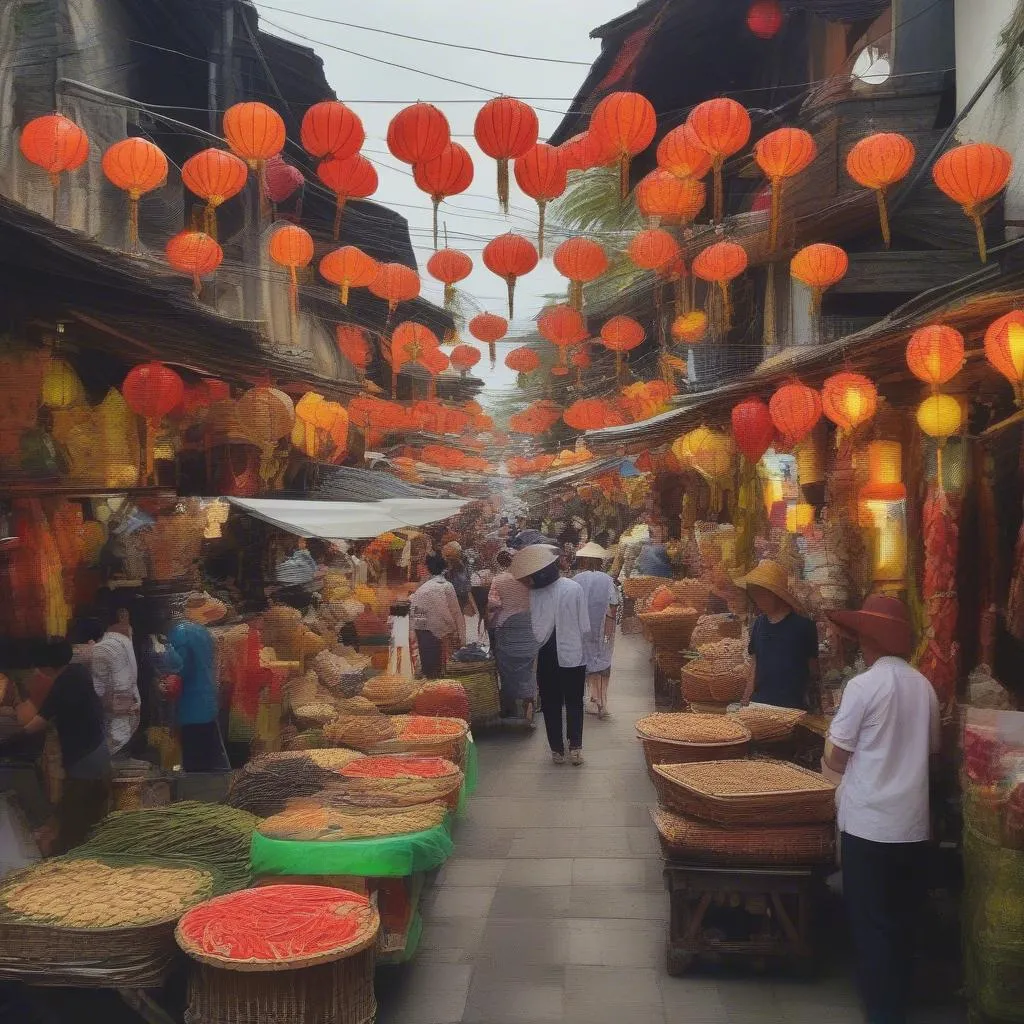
(553,906)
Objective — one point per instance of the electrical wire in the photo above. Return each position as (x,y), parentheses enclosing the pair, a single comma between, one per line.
(421,39)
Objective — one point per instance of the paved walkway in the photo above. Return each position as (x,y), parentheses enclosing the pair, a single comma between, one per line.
(553,907)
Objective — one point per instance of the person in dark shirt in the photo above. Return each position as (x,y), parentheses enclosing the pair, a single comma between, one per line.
(72,707)
(783,643)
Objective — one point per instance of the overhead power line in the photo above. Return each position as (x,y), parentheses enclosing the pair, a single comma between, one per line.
(421,39)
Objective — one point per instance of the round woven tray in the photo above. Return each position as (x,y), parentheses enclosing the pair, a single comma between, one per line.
(391,693)
(398,789)
(365,937)
(640,586)
(660,748)
(448,742)
(312,821)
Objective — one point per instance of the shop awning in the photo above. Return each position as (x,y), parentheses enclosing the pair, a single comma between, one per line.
(348,520)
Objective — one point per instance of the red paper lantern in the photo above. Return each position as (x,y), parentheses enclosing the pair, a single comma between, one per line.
(281,180)
(464,358)
(330,129)
(592,414)
(765,18)
(564,327)
(395,283)
(752,428)
(522,360)
(973,175)
(418,133)
(541,174)
(682,155)
(349,267)
(510,256)
(652,249)
(935,354)
(412,343)
(135,166)
(351,177)
(54,143)
(879,162)
(621,334)
(254,131)
(581,261)
(722,127)
(291,247)
(354,346)
(1004,349)
(624,122)
(795,409)
(849,400)
(447,174)
(490,329)
(215,176)
(783,154)
(449,266)
(505,129)
(196,254)
(585,151)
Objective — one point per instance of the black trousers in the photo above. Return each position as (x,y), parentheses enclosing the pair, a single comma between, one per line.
(202,749)
(560,688)
(430,654)
(884,889)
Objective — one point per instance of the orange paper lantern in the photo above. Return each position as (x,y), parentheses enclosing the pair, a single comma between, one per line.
(505,129)
(564,327)
(973,175)
(722,127)
(541,174)
(254,131)
(819,267)
(330,129)
(447,174)
(795,409)
(624,122)
(721,264)
(592,414)
(490,329)
(449,266)
(661,196)
(783,154)
(681,154)
(879,162)
(585,151)
(411,343)
(622,334)
(849,400)
(55,144)
(215,176)
(581,261)
(522,360)
(510,256)
(652,249)
(395,283)
(292,247)
(1004,349)
(935,354)
(418,133)
(349,267)
(196,254)
(351,177)
(135,166)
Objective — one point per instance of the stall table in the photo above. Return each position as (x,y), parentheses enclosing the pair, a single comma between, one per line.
(753,914)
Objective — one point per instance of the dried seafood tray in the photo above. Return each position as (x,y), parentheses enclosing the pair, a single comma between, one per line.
(745,792)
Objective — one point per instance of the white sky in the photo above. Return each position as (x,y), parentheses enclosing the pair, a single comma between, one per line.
(536,28)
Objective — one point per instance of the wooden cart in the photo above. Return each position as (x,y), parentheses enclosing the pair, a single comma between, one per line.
(757,915)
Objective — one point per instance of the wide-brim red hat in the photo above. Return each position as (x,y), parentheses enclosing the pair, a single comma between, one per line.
(885,621)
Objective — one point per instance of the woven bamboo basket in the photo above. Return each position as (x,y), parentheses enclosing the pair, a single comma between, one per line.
(671,662)
(670,628)
(695,841)
(745,792)
(640,586)
(692,593)
(696,687)
(444,697)
(391,693)
(448,741)
(728,687)
(402,789)
(314,716)
(480,681)
(660,748)
(330,820)
(769,724)
(707,707)
(712,628)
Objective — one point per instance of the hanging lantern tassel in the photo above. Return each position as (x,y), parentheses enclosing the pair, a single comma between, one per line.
(339,209)
(726,306)
(261,184)
(771,336)
(976,214)
(148,444)
(541,207)
(681,296)
(55,194)
(133,220)
(436,200)
(576,295)
(449,295)
(618,365)
(624,177)
(719,194)
(492,351)
(503,185)
(579,378)
(883,216)
(344,292)
(293,300)
(776,212)
(210,220)
(511,282)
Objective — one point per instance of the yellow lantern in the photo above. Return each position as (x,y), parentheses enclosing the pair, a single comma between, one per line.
(799,517)
(940,416)
(712,452)
(885,473)
(682,451)
(810,466)
(61,386)
(888,539)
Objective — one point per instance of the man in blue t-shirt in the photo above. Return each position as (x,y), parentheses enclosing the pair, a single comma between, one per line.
(783,644)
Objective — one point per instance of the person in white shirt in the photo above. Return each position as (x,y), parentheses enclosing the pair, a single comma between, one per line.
(879,749)
(559,618)
(115,678)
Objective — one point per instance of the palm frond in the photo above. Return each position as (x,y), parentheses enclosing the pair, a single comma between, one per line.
(592,204)
(1010,40)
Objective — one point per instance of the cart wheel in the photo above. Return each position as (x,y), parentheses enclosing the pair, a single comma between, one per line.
(677,963)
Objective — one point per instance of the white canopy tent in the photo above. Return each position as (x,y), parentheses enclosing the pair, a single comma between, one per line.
(349,520)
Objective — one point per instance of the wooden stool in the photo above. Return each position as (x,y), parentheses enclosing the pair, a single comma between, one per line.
(753,914)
